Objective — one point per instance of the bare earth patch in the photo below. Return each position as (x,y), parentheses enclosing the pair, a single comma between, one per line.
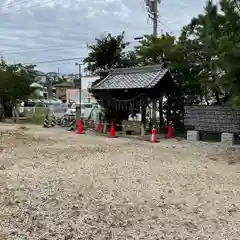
(59,185)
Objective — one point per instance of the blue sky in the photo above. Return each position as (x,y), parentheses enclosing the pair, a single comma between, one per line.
(46,30)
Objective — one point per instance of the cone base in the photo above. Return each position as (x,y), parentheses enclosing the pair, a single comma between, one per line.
(112,136)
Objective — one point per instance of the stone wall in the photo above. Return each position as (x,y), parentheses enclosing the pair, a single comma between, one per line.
(213,118)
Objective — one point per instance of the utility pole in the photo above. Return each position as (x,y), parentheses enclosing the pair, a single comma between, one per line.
(49,87)
(155,33)
(153,9)
(153,12)
(78,84)
(155,17)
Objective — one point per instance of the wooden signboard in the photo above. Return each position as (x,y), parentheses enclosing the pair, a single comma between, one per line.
(131,126)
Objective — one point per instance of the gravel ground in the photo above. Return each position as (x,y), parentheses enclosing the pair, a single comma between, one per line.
(60,185)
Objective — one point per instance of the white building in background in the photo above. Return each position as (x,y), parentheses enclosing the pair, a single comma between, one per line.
(73,94)
(86,84)
(88,80)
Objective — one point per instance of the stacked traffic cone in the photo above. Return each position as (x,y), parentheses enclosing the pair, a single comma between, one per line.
(112,130)
(72,125)
(54,121)
(46,122)
(154,135)
(80,128)
(170,130)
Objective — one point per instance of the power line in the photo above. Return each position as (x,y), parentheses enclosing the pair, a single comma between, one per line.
(53,61)
(23,50)
(39,50)
(67,47)
(58,47)
(18,10)
(64,47)
(58,60)
(21,2)
(166,26)
(67,62)
(44,48)
(13,4)
(47,49)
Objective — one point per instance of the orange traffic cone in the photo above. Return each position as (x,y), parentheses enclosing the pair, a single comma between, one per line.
(170,130)
(112,130)
(154,135)
(80,128)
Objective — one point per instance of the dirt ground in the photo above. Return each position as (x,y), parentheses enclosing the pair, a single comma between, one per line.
(59,185)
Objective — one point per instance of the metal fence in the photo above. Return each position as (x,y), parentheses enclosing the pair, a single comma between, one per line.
(34,111)
(90,114)
(57,110)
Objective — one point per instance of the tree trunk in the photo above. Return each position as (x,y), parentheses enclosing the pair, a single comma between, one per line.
(7,107)
(216,90)
(2,114)
(169,102)
(216,93)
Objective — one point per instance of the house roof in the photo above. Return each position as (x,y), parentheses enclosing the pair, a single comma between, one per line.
(39,73)
(132,78)
(36,85)
(64,84)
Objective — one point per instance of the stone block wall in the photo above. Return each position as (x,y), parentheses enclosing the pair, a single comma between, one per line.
(227,138)
(193,135)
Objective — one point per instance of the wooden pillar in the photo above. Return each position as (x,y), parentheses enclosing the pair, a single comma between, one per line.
(154,112)
(160,106)
(105,122)
(143,117)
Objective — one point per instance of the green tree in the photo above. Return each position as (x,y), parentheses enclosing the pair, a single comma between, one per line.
(155,49)
(15,81)
(106,53)
(202,36)
(215,35)
(204,61)
(176,57)
(229,49)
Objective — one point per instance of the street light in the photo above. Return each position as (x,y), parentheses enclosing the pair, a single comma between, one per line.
(79,86)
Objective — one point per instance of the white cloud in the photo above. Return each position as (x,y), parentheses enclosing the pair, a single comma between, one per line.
(44,30)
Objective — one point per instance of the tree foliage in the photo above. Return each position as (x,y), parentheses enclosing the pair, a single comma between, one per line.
(204,60)
(15,81)
(107,53)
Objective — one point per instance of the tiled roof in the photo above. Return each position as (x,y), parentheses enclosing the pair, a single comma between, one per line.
(133,78)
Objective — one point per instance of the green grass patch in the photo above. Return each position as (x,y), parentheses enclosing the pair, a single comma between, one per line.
(35,115)
(35,119)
